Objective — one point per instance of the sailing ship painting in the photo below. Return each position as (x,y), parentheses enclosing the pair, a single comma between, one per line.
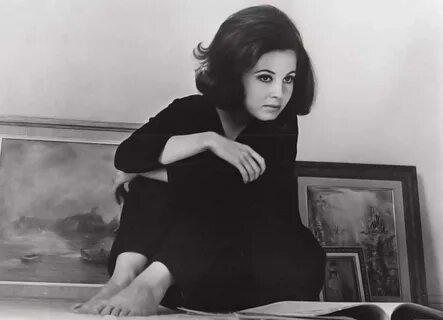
(347,216)
(58,217)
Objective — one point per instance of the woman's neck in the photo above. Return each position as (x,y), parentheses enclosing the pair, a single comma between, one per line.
(233,122)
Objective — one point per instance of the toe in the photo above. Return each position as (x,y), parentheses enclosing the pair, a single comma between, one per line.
(132,314)
(84,308)
(100,307)
(116,311)
(76,306)
(124,312)
(106,310)
(78,310)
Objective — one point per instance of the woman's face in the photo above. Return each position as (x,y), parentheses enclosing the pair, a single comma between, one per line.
(268,85)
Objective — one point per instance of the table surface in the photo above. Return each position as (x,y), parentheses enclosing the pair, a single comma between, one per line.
(52,309)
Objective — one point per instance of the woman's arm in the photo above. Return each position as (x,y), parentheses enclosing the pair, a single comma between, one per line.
(180,147)
(123,178)
(250,164)
(166,139)
(140,152)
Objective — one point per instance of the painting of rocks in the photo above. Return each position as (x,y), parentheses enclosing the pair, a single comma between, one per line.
(58,216)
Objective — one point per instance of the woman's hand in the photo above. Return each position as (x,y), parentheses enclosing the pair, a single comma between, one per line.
(122,179)
(120,185)
(250,164)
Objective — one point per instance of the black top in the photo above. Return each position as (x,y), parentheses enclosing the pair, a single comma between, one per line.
(209,185)
(218,222)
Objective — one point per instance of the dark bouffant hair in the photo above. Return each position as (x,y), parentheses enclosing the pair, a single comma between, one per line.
(237,46)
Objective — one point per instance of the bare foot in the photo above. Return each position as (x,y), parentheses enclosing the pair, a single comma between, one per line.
(128,265)
(143,296)
(97,302)
(137,299)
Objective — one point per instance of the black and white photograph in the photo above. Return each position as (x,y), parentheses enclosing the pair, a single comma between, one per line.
(236,159)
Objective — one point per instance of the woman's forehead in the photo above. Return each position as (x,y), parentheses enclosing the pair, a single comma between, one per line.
(284,60)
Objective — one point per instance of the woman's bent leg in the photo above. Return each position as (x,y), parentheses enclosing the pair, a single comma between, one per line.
(292,269)
(205,264)
(144,221)
(143,224)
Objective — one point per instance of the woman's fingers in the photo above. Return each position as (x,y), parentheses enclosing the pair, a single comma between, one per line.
(255,161)
(260,161)
(250,164)
(251,168)
(122,178)
(243,171)
(249,171)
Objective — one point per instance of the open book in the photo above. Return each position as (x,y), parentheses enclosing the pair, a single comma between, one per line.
(342,310)
(295,310)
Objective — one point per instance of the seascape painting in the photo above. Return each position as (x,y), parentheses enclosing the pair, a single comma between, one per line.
(348,216)
(57,212)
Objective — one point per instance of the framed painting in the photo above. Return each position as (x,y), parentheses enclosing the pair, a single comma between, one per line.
(57,213)
(373,207)
(346,279)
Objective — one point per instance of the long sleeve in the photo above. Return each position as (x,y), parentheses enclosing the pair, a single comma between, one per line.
(140,152)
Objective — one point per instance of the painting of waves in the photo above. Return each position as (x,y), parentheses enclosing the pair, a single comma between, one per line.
(57,212)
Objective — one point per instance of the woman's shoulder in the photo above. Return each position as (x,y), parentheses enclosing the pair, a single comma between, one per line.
(183,108)
(186,114)
(194,102)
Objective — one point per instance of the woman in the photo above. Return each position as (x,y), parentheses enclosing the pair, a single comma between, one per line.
(210,221)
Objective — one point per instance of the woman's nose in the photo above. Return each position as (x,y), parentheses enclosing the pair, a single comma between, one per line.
(277,89)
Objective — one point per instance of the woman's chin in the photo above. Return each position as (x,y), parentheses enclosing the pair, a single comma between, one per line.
(268,116)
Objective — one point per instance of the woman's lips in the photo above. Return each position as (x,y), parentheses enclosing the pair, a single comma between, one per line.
(272,106)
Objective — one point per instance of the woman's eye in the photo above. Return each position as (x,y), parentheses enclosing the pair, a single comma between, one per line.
(265,78)
(289,79)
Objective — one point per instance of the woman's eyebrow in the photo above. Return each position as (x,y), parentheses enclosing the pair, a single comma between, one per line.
(267,70)
(264,70)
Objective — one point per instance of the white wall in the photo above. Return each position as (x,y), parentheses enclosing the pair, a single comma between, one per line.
(379,66)
(102,60)
(380,76)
